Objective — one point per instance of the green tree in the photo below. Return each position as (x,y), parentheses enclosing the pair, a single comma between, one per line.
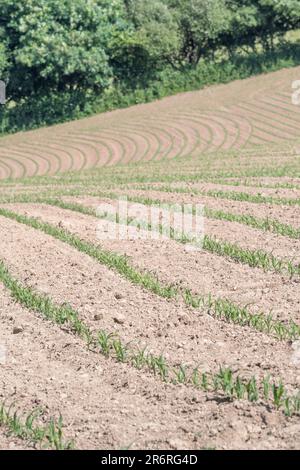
(151,41)
(3,61)
(259,21)
(201,22)
(56,45)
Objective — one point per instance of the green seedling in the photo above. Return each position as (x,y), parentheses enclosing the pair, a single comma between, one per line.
(278,394)
(180,375)
(120,350)
(47,436)
(267,387)
(105,342)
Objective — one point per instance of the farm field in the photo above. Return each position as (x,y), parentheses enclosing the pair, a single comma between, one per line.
(136,343)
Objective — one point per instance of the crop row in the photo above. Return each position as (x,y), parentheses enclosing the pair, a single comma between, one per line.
(230,195)
(253,184)
(264,224)
(273,161)
(110,345)
(252,258)
(218,308)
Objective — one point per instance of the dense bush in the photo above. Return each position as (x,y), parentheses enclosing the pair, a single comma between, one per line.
(64,60)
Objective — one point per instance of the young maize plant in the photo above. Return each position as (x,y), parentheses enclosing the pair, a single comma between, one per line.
(111,346)
(233,387)
(49,435)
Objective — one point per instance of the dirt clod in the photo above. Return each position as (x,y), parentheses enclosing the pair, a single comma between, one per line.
(17,330)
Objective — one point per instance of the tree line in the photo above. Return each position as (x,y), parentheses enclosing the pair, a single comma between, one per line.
(84,48)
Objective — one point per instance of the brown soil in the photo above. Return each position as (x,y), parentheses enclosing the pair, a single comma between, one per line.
(285,214)
(233,232)
(56,372)
(203,272)
(245,128)
(265,192)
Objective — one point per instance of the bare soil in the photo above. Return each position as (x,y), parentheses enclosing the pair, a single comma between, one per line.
(109,405)
(246,132)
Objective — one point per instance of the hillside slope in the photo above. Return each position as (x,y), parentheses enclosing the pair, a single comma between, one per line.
(243,114)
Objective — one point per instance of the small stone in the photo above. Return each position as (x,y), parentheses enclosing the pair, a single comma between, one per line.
(17,330)
(177,444)
(98,316)
(118,296)
(119,318)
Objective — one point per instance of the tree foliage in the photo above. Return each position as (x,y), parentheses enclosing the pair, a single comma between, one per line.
(55,45)
(259,21)
(87,47)
(200,22)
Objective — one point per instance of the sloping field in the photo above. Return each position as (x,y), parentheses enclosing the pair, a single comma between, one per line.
(257,111)
(139,342)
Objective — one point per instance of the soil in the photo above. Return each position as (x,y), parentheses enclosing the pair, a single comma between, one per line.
(231,131)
